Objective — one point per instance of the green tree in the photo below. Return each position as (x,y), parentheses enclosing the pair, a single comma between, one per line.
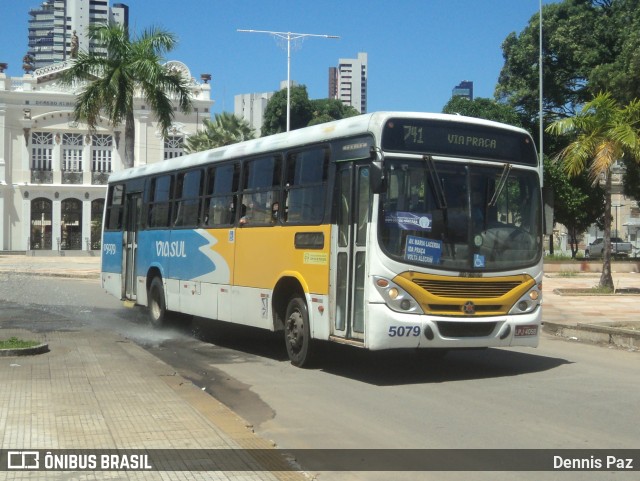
(631,184)
(588,46)
(577,204)
(304,112)
(483,108)
(225,129)
(326,110)
(275,115)
(601,133)
(619,72)
(129,68)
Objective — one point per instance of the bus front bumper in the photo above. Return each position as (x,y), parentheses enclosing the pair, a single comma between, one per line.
(393,330)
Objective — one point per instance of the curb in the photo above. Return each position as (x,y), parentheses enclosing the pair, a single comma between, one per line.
(67,274)
(25,351)
(600,334)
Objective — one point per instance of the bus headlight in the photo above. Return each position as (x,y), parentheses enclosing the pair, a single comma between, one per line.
(529,302)
(396,298)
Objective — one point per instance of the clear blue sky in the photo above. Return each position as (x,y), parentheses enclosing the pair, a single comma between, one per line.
(418,49)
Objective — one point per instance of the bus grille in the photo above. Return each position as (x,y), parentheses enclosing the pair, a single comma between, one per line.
(466,329)
(466,289)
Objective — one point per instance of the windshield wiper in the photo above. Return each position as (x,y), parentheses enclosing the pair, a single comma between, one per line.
(437,184)
(501,183)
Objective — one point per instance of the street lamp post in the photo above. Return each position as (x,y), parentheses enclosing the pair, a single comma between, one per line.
(288,36)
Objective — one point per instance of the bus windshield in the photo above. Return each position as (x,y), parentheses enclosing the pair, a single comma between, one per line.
(460,216)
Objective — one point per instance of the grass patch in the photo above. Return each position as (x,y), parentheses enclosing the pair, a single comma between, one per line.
(567,274)
(558,257)
(601,290)
(15,343)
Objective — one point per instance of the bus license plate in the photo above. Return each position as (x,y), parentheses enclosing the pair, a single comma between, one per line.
(524,331)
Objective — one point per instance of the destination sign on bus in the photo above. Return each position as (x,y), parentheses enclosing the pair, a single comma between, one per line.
(438,137)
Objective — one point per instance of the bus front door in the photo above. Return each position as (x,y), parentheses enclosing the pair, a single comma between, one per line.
(349,251)
(133,211)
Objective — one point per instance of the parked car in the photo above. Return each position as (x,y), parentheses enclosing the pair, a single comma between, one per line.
(619,248)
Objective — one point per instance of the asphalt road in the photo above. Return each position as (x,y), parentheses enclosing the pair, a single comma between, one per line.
(561,395)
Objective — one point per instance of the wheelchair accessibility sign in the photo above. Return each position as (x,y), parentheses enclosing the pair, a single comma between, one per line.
(478,261)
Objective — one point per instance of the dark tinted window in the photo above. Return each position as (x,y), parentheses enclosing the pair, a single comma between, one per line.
(306,185)
(159,205)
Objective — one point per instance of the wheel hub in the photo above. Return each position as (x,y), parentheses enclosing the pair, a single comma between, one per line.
(295,331)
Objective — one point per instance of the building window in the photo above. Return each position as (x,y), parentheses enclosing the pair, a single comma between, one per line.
(72,152)
(71,224)
(97,209)
(41,214)
(173,146)
(41,151)
(101,147)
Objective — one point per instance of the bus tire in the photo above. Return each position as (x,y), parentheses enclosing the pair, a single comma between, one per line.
(297,333)
(157,304)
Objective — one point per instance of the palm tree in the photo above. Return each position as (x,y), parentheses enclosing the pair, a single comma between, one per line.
(603,134)
(225,129)
(130,68)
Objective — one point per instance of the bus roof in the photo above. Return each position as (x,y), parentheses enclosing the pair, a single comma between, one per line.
(360,124)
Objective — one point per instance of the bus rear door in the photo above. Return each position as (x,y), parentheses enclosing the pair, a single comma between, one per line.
(133,212)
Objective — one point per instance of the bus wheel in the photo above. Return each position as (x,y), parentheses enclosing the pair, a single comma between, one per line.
(297,334)
(157,305)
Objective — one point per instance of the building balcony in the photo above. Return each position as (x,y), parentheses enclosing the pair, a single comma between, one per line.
(42,177)
(99,178)
(71,177)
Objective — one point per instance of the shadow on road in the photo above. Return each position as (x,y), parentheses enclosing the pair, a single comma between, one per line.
(229,343)
(390,368)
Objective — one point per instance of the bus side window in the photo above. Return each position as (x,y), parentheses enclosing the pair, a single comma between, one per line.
(306,185)
(187,195)
(261,189)
(159,201)
(115,207)
(220,195)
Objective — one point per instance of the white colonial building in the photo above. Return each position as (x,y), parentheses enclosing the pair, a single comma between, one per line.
(53,170)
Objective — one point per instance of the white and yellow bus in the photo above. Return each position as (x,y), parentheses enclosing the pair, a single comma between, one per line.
(388,230)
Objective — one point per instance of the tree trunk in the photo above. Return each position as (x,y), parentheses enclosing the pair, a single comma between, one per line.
(573,242)
(129,140)
(606,280)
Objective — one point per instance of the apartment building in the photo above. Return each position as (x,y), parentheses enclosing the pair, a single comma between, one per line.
(58,27)
(348,82)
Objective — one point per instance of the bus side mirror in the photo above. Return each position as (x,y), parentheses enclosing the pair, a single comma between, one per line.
(548,200)
(377,178)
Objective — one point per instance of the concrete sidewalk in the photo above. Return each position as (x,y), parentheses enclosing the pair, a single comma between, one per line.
(97,389)
(606,319)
